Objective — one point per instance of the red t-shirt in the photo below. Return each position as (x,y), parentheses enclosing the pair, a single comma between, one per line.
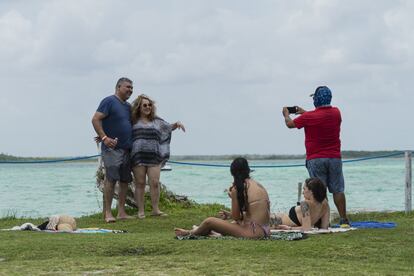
(322,131)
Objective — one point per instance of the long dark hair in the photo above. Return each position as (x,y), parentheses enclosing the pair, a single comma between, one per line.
(317,187)
(240,171)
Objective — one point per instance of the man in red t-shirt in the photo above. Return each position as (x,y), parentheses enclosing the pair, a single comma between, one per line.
(323,145)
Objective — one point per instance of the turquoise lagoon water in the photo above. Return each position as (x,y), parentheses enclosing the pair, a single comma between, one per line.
(41,190)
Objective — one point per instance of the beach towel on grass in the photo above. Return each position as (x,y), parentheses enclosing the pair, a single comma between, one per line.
(88,231)
(371,224)
(98,230)
(31,227)
(285,236)
(315,231)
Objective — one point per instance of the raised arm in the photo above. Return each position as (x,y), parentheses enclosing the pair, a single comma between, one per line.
(288,121)
(178,125)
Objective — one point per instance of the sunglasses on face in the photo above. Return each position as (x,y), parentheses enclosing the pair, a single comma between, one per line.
(146,105)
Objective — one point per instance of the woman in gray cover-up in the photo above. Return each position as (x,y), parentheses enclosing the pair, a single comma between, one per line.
(151,137)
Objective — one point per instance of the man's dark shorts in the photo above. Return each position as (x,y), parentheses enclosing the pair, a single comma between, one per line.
(329,170)
(117,165)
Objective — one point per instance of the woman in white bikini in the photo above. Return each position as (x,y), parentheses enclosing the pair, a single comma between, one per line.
(250,208)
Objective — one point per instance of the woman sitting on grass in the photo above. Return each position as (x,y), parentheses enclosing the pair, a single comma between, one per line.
(250,208)
(312,212)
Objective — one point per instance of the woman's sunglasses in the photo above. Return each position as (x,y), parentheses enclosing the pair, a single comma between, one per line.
(146,105)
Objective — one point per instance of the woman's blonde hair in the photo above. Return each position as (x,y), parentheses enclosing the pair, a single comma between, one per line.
(136,108)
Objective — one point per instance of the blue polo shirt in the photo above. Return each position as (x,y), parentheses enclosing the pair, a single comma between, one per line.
(117,123)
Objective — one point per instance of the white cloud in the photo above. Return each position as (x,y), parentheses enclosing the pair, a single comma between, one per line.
(15,36)
(333,56)
(225,68)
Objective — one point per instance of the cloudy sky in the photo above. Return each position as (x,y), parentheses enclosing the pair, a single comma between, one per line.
(224,68)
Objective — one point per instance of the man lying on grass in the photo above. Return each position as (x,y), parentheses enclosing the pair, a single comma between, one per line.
(312,212)
(250,208)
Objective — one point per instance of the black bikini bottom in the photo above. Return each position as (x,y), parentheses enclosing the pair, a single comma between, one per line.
(293,216)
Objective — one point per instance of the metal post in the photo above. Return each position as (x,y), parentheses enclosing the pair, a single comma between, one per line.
(299,192)
(408,182)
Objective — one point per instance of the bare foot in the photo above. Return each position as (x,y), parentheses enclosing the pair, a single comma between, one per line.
(181,232)
(159,214)
(141,215)
(215,234)
(110,219)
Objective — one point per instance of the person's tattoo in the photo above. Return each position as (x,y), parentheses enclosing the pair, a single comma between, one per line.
(304,207)
(275,220)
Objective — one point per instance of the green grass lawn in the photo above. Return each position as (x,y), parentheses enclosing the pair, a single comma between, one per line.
(149,247)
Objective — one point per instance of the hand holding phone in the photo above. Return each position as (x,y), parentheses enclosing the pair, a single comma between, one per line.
(292,109)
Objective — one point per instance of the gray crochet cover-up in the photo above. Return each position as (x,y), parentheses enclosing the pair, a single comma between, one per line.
(151,142)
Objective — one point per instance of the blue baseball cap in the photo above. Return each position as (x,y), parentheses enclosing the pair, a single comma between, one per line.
(322,96)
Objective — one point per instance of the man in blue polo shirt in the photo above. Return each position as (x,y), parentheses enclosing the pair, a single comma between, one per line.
(112,123)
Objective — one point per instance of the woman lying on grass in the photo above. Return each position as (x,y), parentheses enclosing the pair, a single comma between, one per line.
(312,212)
(250,208)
